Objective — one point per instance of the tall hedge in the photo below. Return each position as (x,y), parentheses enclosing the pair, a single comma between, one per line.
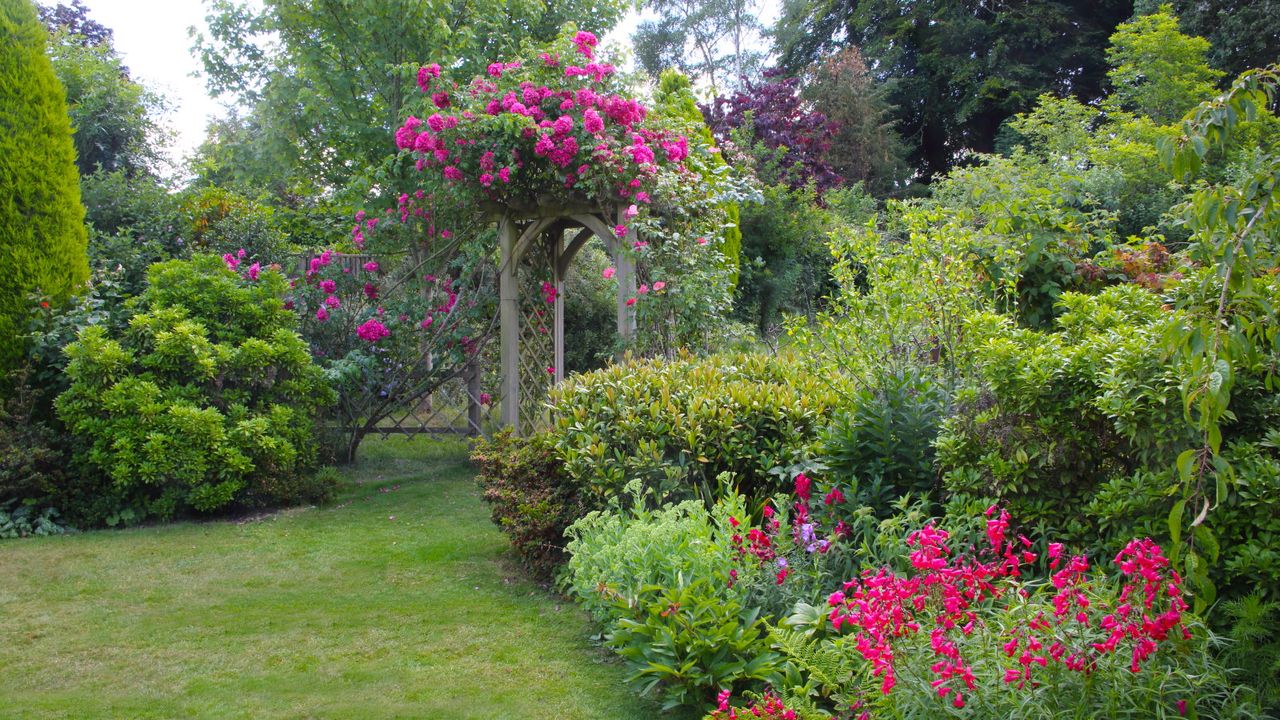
(42,232)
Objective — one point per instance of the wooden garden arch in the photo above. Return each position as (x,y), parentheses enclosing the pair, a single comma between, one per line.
(520,230)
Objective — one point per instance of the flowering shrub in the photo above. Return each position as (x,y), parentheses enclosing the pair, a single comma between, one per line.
(903,617)
(206,401)
(973,632)
(800,544)
(390,334)
(767,707)
(560,128)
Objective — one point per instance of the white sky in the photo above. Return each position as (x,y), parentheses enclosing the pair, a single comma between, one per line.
(151,37)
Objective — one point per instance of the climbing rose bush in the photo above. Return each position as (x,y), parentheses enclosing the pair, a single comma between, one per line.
(559,127)
(390,333)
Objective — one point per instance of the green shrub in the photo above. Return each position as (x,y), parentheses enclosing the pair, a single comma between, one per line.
(1081,428)
(678,424)
(691,642)
(660,582)
(134,222)
(1058,414)
(219,221)
(1244,545)
(1252,645)
(42,233)
(531,498)
(883,445)
(32,464)
(206,401)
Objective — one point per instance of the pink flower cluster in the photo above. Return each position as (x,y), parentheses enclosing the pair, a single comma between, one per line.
(233,261)
(372,330)
(573,124)
(947,593)
(585,42)
(768,707)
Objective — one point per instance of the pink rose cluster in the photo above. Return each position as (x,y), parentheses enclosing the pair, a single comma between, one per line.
(570,127)
(372,330)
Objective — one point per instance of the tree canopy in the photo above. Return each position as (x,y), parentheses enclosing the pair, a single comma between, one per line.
(956,70)
(328,80)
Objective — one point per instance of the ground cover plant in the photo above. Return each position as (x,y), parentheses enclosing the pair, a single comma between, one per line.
(397,600)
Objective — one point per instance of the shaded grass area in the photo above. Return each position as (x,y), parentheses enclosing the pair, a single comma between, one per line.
(399,601)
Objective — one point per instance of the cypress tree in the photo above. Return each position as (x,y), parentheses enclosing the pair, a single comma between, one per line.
(42,232)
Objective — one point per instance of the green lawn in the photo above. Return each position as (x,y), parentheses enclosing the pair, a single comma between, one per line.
(399,601)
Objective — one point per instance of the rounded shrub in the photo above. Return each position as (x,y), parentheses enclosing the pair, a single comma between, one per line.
(531,498)
(206,401)
(677,424)
(42,231)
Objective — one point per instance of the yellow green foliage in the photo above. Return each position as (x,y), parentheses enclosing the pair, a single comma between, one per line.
(42,233)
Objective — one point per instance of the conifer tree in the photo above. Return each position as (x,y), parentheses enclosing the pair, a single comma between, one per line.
(42,233)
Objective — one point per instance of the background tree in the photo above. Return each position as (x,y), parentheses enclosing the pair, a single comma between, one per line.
(114,119)
(710,41)
(864,145)
(1243,34)
(327,81)
(42,233)
(1156,70)
(771,121)
(75,20)
(956,70)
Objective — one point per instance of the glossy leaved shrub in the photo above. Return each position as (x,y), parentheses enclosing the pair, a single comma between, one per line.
(677,424)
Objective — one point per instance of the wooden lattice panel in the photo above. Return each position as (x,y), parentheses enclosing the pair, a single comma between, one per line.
(537,338)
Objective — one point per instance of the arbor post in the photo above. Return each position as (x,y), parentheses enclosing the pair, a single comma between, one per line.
(557,251)
(509,323)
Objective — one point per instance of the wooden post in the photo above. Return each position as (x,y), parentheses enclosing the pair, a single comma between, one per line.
(509,323)
(557,279)
(626,277)
(473,399)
